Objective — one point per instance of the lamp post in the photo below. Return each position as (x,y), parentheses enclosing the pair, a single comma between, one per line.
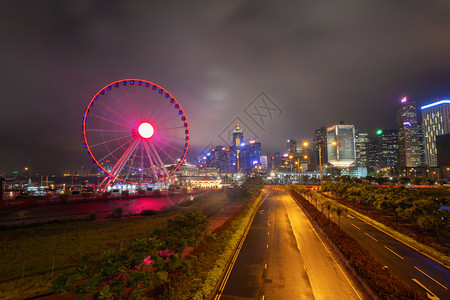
(29,175)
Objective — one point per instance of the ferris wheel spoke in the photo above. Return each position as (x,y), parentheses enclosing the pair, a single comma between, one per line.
(166,153)
(119,102)
(171,118)
(152,164)
(161,113)
(171,146)
(114,111)
(131,165)
(108,130)
(115,150)
(109,120)
(142,164)
(109,141)
(171,128)
(131,106)
(139,103)
(172,137)
(159,159)
(117,168)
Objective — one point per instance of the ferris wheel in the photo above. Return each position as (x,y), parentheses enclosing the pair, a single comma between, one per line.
(136,132)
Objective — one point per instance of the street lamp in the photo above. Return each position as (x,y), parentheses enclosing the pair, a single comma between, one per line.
(29,175)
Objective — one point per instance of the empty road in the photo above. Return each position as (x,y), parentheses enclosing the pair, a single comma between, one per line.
(282,257)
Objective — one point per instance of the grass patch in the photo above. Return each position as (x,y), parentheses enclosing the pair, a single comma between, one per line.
(37,246)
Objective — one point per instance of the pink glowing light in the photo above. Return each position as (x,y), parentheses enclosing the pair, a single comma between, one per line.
(404,99)
(146,130)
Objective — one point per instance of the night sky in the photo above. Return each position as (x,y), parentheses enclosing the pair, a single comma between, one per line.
(316,63)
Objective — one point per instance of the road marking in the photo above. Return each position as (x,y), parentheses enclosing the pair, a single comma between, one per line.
(355,226)
(267,245)
(236,254)
(431,278)
(432,296)
(338,265)
(268,232)
(262,298)
(351,217)
(265,266)
(261,211)
(393,251)
(371,237)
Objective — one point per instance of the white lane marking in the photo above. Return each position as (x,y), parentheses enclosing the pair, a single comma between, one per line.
(371,237)
(350,216)
(431,278)
(432,296)
(234,258)
(355,226)
(265,266)
(338,265)
(267,232)
(267,245)
(393,251)
(262,298)
(261,211)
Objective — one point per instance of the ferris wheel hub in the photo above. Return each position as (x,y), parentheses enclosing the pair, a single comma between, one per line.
(146,130)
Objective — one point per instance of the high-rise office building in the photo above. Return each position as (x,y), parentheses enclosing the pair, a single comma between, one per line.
(423,161)
(388,153)
(291,146)
(443,154)
(320,139)
(361,144)
(341,145)
(408,134)
(436,121)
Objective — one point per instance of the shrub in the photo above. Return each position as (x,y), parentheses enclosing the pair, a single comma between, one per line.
(91,216)
(117,212)
(148,212)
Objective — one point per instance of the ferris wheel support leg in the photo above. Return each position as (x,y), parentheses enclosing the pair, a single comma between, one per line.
(152,164)
(120,164)
(160,161)
(123,160)
(101,183)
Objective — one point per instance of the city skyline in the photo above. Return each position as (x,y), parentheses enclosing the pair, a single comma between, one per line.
(318,64)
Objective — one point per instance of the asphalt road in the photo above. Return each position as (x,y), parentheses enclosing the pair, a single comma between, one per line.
(418,270)
(282,257)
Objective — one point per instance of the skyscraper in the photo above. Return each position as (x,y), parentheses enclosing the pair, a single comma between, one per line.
(388,155)
(341,145)
(238,136)
(361,145)
(436,121)
(408,134)
(238,140)
(292,146)
(320,138)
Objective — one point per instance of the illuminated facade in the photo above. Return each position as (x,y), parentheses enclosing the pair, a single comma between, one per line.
(436,121)
(341,145)
(320,139)
(408,134)
(361,145)
(388,154)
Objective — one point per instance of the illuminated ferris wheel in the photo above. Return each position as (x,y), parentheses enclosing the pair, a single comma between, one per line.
(136,132)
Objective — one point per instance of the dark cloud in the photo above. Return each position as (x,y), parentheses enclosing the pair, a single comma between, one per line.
(321,62)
